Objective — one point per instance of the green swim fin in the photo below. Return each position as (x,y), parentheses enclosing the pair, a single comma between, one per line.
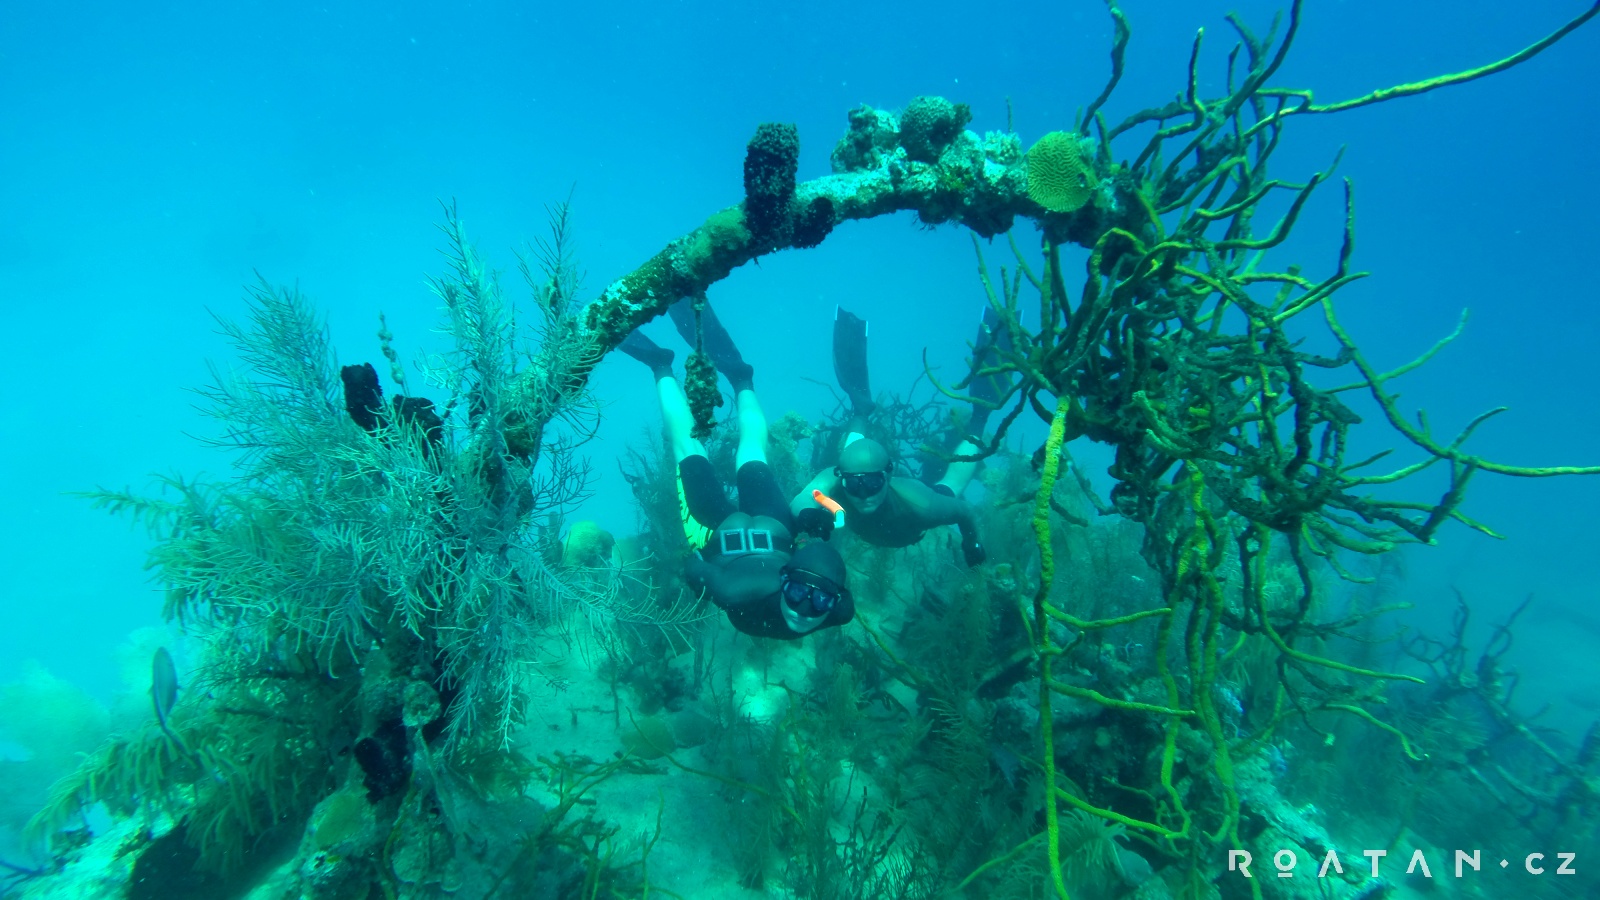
(850,359)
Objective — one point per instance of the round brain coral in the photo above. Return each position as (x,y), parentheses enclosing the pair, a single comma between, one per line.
(587,545)
(1060,178)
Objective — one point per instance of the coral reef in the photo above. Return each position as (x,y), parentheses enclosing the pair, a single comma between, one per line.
(1135,687)
(1061,177)
(369,594)
(929,124)
(771,162)
(587,545)
(871,141)
(772,213)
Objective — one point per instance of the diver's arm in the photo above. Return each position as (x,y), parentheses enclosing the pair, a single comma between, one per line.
(824,481)
(809,516)
(930,509)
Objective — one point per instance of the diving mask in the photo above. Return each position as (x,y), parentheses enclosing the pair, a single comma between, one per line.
(864,484)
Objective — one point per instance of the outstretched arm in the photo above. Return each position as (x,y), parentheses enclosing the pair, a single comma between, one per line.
(930,508)
(824,481)
(808,516)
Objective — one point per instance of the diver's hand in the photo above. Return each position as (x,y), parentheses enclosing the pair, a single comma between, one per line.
(972,549)
(816,522)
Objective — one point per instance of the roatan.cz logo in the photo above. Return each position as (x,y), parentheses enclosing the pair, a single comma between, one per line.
(1286,861)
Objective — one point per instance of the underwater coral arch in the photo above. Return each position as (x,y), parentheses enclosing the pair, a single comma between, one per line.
(923,161)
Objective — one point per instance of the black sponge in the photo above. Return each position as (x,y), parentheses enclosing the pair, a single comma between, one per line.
(363,396)
(771,162)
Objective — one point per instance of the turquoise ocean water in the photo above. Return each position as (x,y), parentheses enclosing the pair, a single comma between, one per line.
(157,157)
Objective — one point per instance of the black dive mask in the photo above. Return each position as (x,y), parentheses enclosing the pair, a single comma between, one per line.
(808,594)
(864,484)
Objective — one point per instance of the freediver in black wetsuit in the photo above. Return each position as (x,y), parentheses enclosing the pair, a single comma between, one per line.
(771,581)
(882,508)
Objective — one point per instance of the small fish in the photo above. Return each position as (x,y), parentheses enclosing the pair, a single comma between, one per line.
(163,694)
(163,685)
(1007,763)
(1132,868)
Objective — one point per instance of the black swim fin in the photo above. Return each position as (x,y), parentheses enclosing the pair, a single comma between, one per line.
(850,359)
(714,341)
(657,357)
(991,337)
(682,316)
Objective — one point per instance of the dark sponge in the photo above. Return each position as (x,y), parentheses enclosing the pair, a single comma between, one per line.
(812,225)
(385,760)
(771,162)
(363,396)
(928,126)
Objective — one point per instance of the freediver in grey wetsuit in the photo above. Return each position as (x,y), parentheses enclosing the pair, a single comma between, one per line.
(771,581)
(882,508)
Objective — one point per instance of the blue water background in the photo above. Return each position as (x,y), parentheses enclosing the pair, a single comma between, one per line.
(156,155)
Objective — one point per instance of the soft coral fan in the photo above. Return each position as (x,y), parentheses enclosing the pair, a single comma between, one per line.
(375,577)
(418,537)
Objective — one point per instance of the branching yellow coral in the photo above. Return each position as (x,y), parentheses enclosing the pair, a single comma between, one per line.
(1060,179)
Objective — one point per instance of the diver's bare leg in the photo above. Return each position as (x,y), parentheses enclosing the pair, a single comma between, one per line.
(752,428)
(959,474)
(679,420)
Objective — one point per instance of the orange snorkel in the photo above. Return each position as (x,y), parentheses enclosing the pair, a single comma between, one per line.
(829,503)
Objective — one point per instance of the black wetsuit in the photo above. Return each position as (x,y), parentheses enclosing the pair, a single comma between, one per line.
(740,567)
